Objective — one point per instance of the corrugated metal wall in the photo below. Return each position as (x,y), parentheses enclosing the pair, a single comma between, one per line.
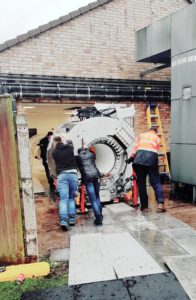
(11,233)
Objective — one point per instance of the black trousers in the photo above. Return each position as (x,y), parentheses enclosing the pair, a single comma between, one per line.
(47,171)
(142,171)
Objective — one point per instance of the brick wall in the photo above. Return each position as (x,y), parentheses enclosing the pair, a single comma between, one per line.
(100,43)
(140,120)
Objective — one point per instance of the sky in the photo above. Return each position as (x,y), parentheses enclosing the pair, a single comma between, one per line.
(20,16)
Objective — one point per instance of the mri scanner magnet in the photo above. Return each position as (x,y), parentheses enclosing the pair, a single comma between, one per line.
(112,138)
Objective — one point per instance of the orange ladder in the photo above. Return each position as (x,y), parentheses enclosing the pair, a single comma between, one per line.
(154,120)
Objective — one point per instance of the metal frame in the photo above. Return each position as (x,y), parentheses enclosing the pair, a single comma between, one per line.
(155,69)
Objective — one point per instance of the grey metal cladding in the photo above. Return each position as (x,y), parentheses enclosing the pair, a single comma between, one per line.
(183,121)
(183,166)
(153,40)
(183,74)
(183,32)
(175,128)
(161,35)
(143,43)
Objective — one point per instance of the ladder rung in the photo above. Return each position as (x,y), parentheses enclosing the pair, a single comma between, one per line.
(154,120)
(166,173)
(152,105)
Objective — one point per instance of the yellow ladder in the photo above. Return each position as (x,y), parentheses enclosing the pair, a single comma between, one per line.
(154,120)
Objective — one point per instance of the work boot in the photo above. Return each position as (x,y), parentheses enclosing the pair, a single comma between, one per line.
(161,208)
(64,225)
(98,222)
(144,209)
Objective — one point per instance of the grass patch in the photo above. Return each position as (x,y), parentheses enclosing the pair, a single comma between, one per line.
(58,277)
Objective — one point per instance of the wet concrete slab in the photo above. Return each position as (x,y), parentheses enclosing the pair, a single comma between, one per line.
(110,290)
(147,229)
(157,244)
(184,268)
(89,260)
(85,224)
(144,229)
(128,257)
(138,223)
(105,256)
(159,234)
(185,237)
(163,286)
(165,221)
(119,208)
(150,287)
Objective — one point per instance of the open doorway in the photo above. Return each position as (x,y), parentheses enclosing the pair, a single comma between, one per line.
(42,118)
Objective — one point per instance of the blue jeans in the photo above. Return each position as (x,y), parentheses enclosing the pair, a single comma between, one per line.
(92,187)
(67,184)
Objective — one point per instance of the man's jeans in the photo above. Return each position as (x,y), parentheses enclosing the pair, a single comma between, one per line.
(67,184)
(92,187)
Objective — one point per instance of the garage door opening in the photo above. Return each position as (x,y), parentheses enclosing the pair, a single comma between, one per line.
(42,118)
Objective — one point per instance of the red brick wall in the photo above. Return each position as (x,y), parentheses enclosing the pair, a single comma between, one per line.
(140,120)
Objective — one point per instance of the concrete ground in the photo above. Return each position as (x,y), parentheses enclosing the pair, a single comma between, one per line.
(51,237)
(164,246)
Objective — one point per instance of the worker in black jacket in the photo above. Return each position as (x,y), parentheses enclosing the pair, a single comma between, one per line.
(90,177)
(43,144)
(67,181)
